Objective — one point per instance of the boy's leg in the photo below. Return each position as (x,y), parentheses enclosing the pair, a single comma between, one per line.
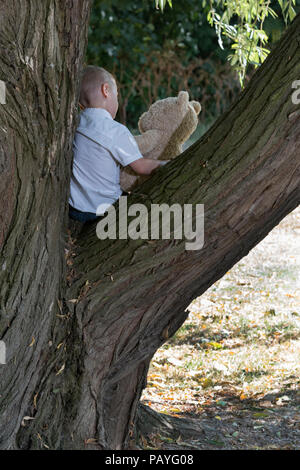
(81,216)
(86,217)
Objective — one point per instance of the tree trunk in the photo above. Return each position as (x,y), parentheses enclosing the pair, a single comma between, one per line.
(42,45)
(81,329)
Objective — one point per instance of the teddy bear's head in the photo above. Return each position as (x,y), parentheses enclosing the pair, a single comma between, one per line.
(169,113)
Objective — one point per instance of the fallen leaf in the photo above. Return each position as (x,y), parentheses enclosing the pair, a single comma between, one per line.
(26,418)
(221,403)
(60,370)
(260,415)
(91,440)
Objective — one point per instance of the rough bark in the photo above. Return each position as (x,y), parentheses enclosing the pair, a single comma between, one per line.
(41,52)
(94,335)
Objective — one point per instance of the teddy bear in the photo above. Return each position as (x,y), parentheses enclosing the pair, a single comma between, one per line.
(164,128)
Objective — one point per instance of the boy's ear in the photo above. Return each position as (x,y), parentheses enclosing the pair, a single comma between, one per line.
(105,89)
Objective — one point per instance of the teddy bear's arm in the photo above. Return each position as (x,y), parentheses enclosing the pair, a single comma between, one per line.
(147,141)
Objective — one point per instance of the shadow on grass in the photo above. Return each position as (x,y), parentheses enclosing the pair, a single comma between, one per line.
(271,422)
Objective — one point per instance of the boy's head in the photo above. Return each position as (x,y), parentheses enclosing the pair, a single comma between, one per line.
(99,90)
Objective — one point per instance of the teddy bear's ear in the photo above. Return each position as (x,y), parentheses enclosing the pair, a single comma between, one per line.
(197,106)
(183,98)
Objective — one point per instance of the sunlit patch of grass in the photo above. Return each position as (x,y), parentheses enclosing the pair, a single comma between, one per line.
(282,330)
(279,272)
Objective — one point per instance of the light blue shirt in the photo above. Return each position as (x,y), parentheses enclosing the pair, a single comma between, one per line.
(100,146)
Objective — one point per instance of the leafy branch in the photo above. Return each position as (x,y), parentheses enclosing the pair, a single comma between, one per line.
(242,23)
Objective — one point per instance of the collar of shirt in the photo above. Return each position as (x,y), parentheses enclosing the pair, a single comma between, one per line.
(98,112)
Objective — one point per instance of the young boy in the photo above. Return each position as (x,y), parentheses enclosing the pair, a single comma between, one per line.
(100,146)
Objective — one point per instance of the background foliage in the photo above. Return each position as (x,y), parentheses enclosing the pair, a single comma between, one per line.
(155,54)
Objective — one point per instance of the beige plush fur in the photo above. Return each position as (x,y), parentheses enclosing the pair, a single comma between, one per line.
(164,128)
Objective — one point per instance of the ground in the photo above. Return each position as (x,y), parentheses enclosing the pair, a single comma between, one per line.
(230,376)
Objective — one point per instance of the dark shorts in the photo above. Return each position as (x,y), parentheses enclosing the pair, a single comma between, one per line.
(86,216)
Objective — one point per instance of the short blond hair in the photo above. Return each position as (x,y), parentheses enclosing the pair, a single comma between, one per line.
(92,78)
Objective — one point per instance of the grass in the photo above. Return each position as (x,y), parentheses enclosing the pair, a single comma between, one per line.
(241,337)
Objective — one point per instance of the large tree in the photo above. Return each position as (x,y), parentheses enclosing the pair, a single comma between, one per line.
(82,317)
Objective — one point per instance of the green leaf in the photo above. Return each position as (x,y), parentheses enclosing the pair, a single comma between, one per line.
(162,3)
(292,13)
(260,415)
(221,403)
(216,443)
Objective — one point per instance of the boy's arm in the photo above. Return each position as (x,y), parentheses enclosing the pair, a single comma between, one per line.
(145,166)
